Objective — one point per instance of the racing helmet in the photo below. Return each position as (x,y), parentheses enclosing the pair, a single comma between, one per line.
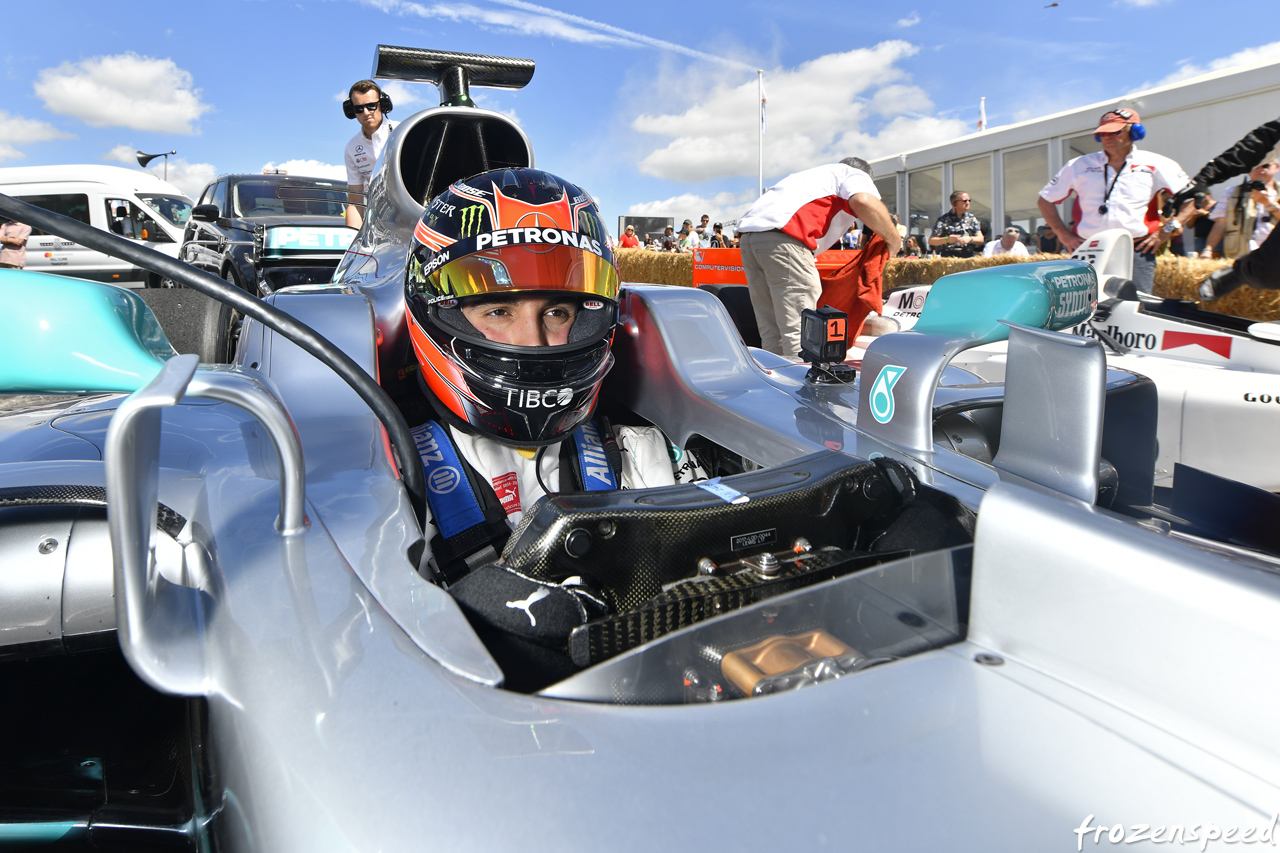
(502,236)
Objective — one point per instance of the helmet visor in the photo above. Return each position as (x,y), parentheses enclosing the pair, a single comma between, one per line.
(516,269)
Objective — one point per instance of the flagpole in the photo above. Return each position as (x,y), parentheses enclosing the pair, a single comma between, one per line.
(760,127)
(982,115)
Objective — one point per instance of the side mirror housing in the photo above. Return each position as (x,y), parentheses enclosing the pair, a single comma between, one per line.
(205,212)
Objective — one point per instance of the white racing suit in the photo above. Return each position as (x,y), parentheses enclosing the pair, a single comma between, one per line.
(648,460)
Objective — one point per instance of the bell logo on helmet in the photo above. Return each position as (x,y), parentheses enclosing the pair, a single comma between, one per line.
(593,305)
(472,216)
(882,392)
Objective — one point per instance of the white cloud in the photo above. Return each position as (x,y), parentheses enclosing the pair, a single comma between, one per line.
(531,19)
(310,169)
(125,90)
(1248,56)
(16,130)
(123,154)
(817,114)
(721,207)
(909,21)
(501,20)
(404,95)
(191,178)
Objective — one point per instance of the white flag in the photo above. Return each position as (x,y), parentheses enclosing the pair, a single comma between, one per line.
(982,114)
(764,102)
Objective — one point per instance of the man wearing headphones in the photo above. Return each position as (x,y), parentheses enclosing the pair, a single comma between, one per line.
(1115,188)
(367,104)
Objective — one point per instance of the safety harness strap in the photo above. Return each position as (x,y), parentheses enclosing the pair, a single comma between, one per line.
(471,521)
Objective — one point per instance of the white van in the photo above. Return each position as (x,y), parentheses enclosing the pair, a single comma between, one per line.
(129,202)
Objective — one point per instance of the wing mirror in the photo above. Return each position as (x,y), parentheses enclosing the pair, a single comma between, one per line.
(205,212)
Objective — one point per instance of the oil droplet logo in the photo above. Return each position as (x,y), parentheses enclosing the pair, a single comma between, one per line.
(882,392)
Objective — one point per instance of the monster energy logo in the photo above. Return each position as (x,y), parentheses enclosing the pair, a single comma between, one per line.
(472,216)
(590,224)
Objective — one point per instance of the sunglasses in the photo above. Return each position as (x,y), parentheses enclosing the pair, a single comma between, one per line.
(359,108)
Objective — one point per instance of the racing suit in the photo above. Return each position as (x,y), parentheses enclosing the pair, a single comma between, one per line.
(526,621)
(1260,268)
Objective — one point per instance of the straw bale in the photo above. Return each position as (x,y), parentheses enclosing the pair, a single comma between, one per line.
(641,266)
(1179,278)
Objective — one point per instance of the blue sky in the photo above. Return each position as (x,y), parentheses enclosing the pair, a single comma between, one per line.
(651,107)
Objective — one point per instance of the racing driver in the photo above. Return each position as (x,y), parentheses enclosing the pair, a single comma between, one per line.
(512,293)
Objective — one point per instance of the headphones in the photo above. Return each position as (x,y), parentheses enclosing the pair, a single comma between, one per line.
(1136,131)
(384,100)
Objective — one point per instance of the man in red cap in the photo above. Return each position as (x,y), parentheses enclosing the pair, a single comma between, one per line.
(1115,188)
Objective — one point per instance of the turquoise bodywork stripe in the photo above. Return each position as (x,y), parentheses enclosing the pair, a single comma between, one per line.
(68,336)
(1044,295)
(43,832)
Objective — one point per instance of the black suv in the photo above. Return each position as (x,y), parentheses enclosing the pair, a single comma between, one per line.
(265,232)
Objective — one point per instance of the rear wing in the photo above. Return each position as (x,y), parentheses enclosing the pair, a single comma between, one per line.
(451,73)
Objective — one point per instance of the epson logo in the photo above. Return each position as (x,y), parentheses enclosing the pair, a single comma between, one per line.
(435,263)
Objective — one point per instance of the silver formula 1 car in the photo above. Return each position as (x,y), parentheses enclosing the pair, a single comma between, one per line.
(935,612)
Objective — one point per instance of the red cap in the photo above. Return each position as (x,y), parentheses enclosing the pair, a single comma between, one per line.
(1117,120)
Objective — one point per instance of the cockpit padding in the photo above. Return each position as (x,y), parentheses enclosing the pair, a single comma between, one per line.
(630,544)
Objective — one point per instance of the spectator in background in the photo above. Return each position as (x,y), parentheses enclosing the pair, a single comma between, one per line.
(704,231)
(1046,242)
(1242,220)
(902,229)
(629,239)
(911,248)
(670,243)
(957,233)
(1115,187)
(1008,244)
(689,239)
(13,244)
(849,240)
(718,240)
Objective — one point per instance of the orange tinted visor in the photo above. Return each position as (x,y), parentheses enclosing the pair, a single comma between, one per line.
(516,269)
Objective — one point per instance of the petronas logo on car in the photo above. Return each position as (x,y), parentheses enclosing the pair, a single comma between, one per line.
(472,216)
(882,392)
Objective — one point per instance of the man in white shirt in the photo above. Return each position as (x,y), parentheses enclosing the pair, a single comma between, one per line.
(367,104)
(782,232)
(1007,245)
(1115,188)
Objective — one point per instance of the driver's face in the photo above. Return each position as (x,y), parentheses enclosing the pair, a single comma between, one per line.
(523,321)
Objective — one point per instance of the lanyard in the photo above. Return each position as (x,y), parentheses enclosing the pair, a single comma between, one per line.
(1102,208)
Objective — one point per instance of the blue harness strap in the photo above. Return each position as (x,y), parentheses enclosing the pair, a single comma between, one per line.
(592,462)
(455,507)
